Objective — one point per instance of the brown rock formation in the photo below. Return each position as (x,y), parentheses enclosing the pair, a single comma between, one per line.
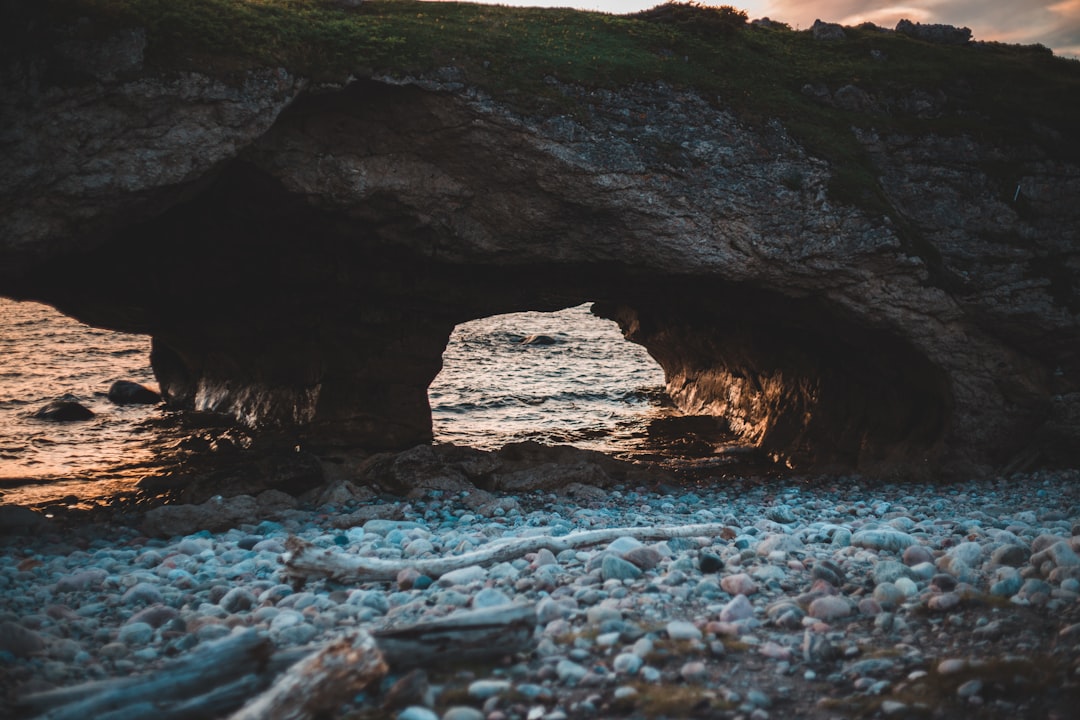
(300,255)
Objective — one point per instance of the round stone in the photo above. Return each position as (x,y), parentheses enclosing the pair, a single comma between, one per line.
(138,633)
(142,594)
(462,712)
(943,602)
(570,672)
(483,689)
(883,539)
(627,663)
(738,609)
(490,597)
(740,584)
(829,607)
(916,554)
(614,567)
(683,630)
(888,594)
(694,671)
(709,563)
(1011,555)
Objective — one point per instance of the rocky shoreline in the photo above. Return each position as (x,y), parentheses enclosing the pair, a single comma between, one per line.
(815,597)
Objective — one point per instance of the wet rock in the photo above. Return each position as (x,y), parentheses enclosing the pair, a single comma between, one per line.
(64,411)
(539,340)
(19,520)
(126,392)
(215,514)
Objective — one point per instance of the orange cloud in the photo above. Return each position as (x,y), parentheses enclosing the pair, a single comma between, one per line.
(1054,24)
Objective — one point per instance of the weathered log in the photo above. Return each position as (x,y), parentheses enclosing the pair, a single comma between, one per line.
(320,682)
(216,665)
(470,636)
(222,675)
(305,561)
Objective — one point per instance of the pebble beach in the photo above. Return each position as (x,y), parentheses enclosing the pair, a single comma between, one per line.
(820,597)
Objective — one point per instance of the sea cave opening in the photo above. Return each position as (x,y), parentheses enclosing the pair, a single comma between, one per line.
(564,377)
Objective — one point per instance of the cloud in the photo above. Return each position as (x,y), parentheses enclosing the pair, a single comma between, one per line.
(1054,23)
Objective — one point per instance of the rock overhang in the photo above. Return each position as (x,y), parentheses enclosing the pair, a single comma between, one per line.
(304,262)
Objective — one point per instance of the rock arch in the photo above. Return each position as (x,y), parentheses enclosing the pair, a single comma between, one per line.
(302,262)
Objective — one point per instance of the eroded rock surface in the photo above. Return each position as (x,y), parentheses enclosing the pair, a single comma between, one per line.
(300,254)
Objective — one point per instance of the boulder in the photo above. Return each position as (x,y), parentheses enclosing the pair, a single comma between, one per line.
(19,520)
(126,392)
(64,410)
(538,340)
(216,514)
(934,33)
(827,31)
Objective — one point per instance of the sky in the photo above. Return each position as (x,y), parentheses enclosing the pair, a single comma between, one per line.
(1053,23)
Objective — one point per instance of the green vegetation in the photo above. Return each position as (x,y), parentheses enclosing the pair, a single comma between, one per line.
(993,92)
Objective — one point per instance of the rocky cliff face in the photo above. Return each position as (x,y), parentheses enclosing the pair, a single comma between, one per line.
(301,253)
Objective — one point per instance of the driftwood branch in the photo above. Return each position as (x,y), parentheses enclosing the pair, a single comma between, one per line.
(469,636)
(319,682)
(232,660)
(293,684)
(304,561)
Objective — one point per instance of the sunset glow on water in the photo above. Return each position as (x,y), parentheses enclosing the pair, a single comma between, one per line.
(44,356)
(589,388)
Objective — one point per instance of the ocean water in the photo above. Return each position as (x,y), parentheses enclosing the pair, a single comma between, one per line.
(582,384)
(45,355)
(562,377)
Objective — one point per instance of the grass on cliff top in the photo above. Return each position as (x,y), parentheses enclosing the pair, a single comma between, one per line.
(996,92)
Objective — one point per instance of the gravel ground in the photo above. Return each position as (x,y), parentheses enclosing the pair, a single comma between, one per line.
(819,597)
